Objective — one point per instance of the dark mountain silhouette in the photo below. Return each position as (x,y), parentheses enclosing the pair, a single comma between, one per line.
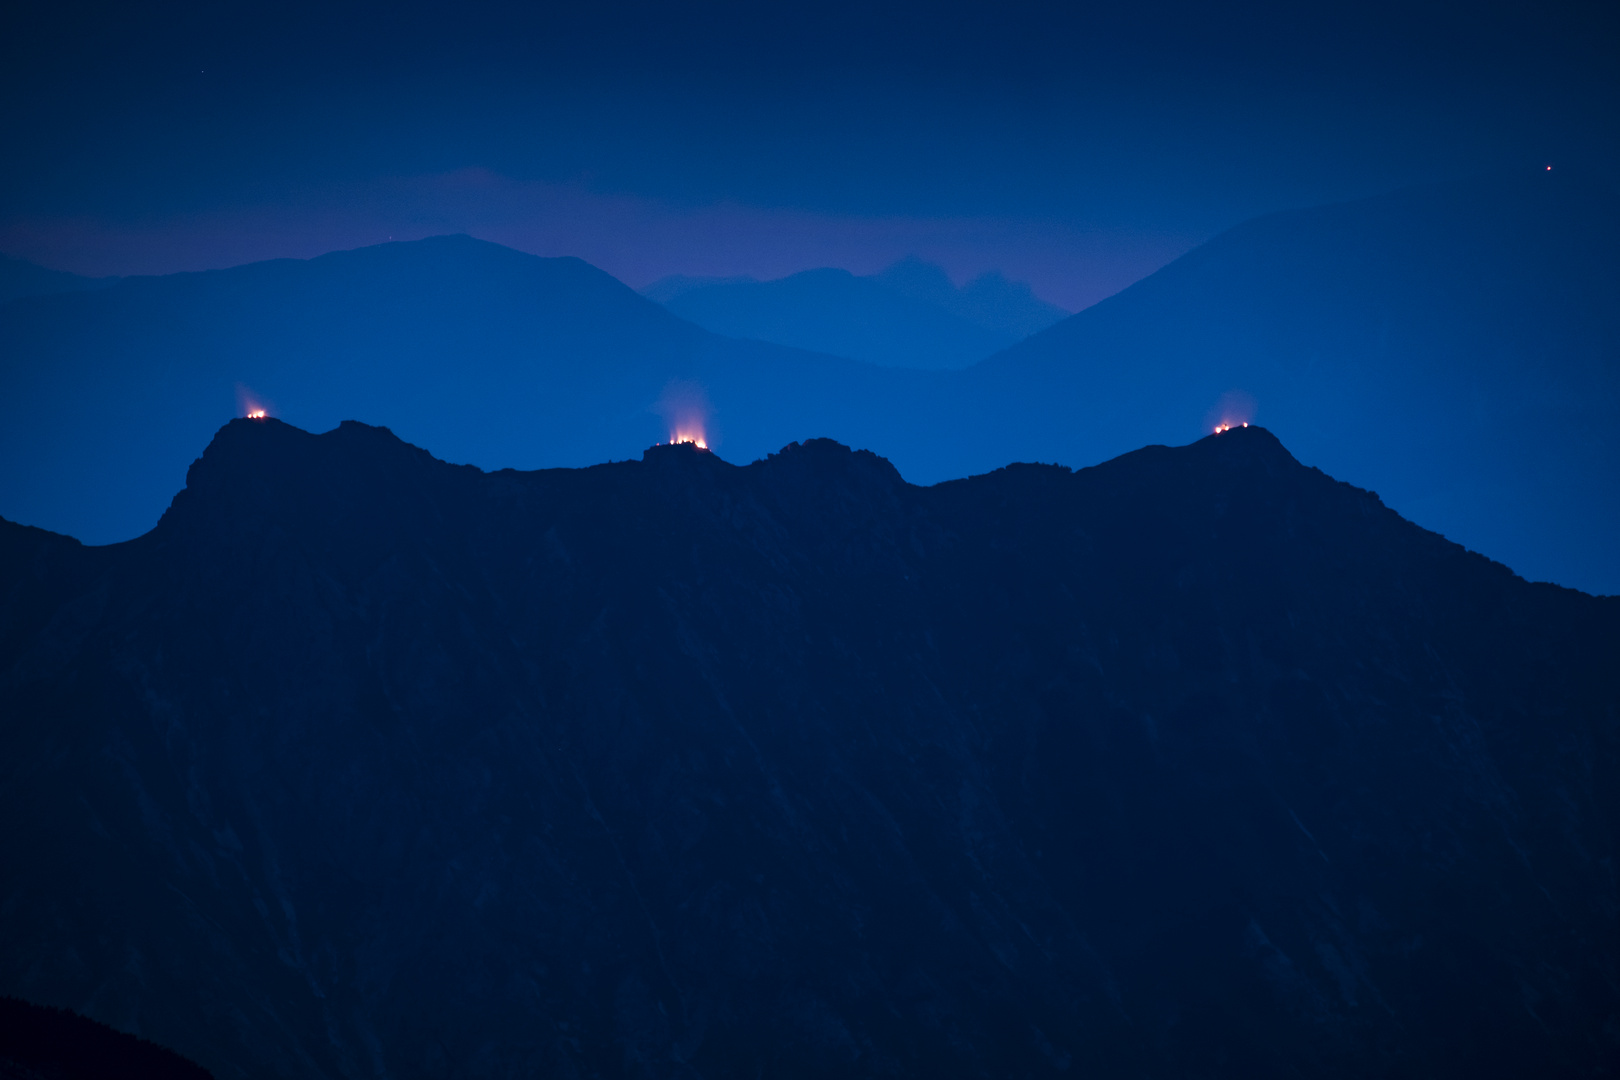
(1454,349)
(18,277)
(41,1043)
(911,315)
(1194,763)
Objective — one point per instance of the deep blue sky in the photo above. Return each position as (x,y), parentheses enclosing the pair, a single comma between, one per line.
(1076,146)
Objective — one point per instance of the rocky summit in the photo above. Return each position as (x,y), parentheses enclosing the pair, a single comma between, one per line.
(1197,763)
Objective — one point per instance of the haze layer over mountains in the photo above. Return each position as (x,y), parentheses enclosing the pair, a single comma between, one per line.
(1452,348)
(910,315)
(1194,763)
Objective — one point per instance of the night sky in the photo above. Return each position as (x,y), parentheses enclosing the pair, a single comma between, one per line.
(1076,147)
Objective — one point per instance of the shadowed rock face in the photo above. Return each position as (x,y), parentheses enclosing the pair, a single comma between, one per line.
(1197,763)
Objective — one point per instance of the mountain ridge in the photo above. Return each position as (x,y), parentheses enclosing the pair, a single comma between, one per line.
(1194,761)
(19,277)
(1454,348)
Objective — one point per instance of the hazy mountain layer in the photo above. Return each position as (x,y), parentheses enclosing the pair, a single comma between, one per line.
(989,300)
(1194,763)
(911,315)
(1456,349)
(19,277)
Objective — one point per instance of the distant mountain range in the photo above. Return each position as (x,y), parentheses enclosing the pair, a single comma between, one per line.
(911,315)
(1195,763)
(1455,348)
(19,277)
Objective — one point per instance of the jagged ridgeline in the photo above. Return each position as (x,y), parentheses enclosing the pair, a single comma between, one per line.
(1196,763)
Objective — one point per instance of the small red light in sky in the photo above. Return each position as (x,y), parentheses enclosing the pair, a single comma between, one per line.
(1549,168)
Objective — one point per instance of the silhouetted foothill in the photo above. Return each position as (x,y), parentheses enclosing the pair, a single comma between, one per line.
(1194,763)
(55,1044)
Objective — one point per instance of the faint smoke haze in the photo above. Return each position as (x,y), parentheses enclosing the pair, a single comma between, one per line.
(249,401)
(1234,408)
(686,410)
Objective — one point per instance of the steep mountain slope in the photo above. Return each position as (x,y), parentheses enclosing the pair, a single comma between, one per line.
(1455,348)
(1193,763)
(18,277)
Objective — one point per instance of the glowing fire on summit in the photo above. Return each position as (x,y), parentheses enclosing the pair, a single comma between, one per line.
(1234,409)
(251,405)
(685,407)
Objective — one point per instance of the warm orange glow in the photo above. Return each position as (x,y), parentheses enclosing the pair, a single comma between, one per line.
(1235,408)
(251,404)
(690,438)
(686,409)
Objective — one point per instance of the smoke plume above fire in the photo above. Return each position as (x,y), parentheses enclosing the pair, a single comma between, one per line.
(250,404)
(685,407)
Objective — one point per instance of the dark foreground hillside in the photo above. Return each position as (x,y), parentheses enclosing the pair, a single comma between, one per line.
(1196,763)
(41,1043)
